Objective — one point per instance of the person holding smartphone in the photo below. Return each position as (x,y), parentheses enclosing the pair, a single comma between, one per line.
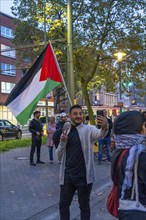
(106,140)
(77,171)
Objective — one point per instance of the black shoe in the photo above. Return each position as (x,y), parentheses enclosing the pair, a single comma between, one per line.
(32,164)
(40,162)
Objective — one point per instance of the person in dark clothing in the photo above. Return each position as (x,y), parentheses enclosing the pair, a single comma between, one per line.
(56,137)
(130,132)
(77,171)
(36,129)
(105,141)
(62,120)
(59,126)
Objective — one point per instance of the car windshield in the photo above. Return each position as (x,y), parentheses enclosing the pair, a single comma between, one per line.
(7,123)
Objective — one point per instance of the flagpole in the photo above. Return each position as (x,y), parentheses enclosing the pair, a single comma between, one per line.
(66,90)
(62,77)
(46,99)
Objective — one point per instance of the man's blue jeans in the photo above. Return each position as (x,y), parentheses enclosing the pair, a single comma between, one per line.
(107,143)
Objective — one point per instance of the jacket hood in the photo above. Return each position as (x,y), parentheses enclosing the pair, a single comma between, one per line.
(128,123)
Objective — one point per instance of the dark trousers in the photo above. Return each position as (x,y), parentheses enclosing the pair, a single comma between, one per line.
(36,143)
(51,153)
(66,195)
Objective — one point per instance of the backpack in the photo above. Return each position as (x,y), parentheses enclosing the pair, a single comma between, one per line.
(112,203)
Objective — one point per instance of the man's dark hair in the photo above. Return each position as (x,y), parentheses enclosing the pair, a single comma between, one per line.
(36,112)
(74,106)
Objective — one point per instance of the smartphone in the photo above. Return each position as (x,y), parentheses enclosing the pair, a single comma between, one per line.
(99,112)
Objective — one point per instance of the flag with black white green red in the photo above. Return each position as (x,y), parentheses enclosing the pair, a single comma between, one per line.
(40,79)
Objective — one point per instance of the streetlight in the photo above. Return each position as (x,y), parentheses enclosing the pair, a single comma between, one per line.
(70,51)
(120,56)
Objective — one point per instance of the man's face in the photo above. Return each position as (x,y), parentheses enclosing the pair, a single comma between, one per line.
(37,115)
(64,118)
(76,116)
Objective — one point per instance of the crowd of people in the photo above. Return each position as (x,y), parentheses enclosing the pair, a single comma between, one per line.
(73,140)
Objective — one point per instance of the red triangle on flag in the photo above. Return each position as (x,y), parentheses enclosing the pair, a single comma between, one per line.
(50,67)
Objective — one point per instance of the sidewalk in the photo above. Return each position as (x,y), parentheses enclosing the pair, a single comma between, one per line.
(33,192)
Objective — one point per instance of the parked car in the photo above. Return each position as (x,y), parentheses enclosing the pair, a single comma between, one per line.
(9,131)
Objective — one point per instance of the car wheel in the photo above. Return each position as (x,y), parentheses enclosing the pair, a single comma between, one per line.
(19,135)
(1,137)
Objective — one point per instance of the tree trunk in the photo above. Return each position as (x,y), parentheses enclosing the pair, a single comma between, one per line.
(88,104)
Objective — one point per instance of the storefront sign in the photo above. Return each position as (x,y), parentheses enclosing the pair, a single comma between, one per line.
(42,103)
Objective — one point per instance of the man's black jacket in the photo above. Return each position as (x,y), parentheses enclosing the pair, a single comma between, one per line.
(35,126)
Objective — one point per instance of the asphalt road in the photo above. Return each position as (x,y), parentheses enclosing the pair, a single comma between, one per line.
(32,193)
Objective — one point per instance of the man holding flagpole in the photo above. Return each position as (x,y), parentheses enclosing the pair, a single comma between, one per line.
(36,129)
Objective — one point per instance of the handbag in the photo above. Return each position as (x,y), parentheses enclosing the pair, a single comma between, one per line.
(133,204)
(112,203)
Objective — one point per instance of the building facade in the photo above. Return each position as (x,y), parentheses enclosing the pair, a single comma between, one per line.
(11,72)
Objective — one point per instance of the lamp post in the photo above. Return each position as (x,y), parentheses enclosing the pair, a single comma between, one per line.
(120,56)
(70,51)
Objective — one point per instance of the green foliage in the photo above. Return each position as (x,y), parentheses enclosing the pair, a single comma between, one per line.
(12,144)
(109,26)
(30,28)
(100,28)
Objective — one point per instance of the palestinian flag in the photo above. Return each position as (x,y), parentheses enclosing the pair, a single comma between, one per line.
(40,79)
